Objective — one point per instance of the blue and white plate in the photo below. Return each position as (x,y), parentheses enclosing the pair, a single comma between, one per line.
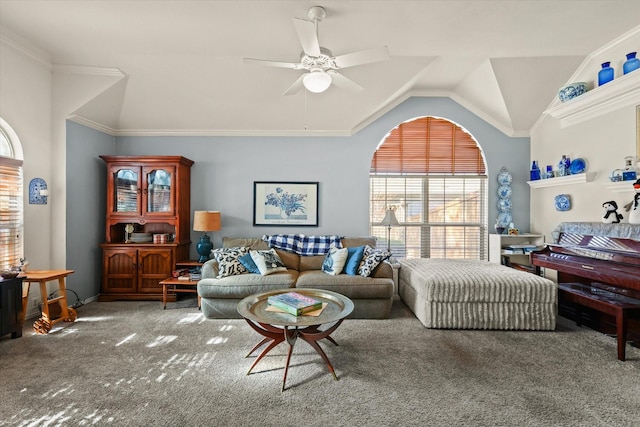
(504,191)
(577,166)
(504,177)
(504,219)
(504,205)
(563,202)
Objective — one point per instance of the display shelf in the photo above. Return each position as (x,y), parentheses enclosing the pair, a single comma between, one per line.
(620,186)
(580,178)
(497,254)
(621,92)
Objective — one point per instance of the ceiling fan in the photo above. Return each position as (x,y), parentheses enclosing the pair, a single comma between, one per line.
(320,65)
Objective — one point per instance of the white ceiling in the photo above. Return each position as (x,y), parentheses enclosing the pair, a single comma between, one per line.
(183,60)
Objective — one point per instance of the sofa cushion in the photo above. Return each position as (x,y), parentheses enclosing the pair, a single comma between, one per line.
(289,259)
(334,261)
(349,242)
(246,284)
(254,243)
(228,262)
(248,263)
(354,287)
(354,258)
(371,258)
(268,262)
(311,262)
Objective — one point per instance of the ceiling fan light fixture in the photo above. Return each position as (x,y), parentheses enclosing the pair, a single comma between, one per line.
(317,81)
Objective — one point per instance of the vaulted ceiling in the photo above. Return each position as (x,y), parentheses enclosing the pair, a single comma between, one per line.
(183,69)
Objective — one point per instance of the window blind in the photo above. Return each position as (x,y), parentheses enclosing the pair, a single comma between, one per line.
(428,145)
(11,202)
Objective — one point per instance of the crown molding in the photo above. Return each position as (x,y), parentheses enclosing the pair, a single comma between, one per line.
(25,48)
(93,125)
(89,70)
(229,132)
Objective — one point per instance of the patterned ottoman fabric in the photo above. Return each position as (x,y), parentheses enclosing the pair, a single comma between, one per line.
(468,294)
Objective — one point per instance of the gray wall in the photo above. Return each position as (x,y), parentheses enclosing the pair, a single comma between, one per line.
(86,205)
(226,167)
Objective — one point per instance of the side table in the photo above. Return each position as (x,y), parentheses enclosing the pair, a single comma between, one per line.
(174,285)
(67,314)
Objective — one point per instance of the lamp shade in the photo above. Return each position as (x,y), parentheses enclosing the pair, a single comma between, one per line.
(206,221)
(390,218)
(317,81)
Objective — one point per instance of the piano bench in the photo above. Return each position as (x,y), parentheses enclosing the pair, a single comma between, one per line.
(604,301)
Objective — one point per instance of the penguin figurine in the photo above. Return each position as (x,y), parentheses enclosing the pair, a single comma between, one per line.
(633,207)
(611,215)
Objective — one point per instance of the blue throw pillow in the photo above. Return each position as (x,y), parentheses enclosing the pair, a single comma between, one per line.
(354,257)
(248,263)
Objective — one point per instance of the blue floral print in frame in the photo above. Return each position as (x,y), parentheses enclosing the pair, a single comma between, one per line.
(278,203)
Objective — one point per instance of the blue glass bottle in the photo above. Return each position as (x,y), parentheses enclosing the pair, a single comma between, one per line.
(605,75)
(631,64)
(534,173)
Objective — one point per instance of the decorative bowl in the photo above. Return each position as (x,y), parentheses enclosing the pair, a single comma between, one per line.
(9,274)
(572,90)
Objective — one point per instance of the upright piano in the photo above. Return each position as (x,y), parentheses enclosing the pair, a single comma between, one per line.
(606,263)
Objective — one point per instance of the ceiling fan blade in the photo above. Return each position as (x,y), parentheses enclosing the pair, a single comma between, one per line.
(296,86)
(308,38)
(343,82)
(278,64)
(362,57)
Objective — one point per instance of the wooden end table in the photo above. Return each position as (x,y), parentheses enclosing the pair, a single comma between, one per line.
(173,284)
(278,327)
(67,314)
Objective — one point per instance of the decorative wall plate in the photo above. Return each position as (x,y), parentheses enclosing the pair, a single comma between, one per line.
(35,186)
(504,191)
(504,205)
(504,219)
(563,202)
(504,177)
(577,166)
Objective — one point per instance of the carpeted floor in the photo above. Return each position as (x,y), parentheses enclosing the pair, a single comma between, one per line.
(134,364)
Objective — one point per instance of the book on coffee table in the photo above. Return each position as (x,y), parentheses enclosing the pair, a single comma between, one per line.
(294,303)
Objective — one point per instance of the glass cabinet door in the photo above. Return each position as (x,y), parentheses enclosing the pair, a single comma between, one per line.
(126,190)
(159,189)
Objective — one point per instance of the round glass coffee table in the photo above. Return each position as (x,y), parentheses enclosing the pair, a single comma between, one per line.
(277,327)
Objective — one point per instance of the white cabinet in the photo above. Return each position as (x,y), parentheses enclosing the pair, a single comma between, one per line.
(501,253)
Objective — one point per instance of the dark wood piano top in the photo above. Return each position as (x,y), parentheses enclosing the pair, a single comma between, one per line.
(603,259)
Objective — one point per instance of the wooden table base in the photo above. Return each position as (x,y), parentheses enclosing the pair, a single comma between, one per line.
(44,323)
(275,335)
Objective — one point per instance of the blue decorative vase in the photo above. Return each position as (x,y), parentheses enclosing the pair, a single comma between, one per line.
(534,173)
(631,64)
(605,75)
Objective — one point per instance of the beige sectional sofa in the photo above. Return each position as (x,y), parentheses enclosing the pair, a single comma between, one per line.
(372,296)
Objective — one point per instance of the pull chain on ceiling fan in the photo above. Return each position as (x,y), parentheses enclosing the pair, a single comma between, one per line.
(321,66)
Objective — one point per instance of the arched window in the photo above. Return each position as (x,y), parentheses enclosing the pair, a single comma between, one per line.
(11,216)
(432,174)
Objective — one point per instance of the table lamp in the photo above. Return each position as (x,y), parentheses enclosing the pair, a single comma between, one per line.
(389,220)
(205,221)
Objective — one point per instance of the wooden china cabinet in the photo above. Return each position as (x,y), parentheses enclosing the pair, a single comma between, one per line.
(146,195)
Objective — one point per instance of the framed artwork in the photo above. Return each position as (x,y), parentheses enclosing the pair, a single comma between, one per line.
(278,203)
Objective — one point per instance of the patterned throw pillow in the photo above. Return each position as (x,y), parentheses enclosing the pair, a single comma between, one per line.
(248,263)
(372,257)
(334,261)
(268,262)
(228,261)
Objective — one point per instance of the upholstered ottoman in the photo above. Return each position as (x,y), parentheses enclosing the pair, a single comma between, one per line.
(467,294)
